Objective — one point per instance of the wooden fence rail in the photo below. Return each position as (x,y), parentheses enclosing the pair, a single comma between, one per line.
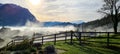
(68,35)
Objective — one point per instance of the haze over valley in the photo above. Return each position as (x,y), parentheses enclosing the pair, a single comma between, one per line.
(29,24)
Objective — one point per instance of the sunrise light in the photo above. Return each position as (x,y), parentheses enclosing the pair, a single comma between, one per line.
(35,2)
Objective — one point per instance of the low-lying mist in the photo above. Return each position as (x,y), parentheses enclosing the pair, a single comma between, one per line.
(30,28)
(104,28)
(28,31)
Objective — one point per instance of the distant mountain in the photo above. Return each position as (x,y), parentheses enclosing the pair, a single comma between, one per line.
(52,24)
(77,22)
(73,23)
(14,15)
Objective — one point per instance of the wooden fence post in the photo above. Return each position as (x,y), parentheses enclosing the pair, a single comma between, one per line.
(80,38)
(108,41)
(71,40)
(83,37)
(13,42)
(55,40)
(65,37)
(42,39)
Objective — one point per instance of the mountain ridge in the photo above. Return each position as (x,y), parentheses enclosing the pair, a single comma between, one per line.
(12,15)
(57,23)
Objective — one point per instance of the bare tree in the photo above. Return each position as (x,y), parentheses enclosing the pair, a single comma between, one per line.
(111,8)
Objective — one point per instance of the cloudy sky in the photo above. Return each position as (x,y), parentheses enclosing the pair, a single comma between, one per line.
(61,10)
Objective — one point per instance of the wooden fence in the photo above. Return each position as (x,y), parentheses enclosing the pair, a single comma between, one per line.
(65,36)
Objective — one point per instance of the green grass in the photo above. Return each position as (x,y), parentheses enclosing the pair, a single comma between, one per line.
(96,46)
(90,46)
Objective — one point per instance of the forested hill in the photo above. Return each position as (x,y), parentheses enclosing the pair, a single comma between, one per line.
(100,22)
(14,15)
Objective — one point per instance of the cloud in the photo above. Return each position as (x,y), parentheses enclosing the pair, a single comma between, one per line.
(50,0)
(72,9)
(63,9)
